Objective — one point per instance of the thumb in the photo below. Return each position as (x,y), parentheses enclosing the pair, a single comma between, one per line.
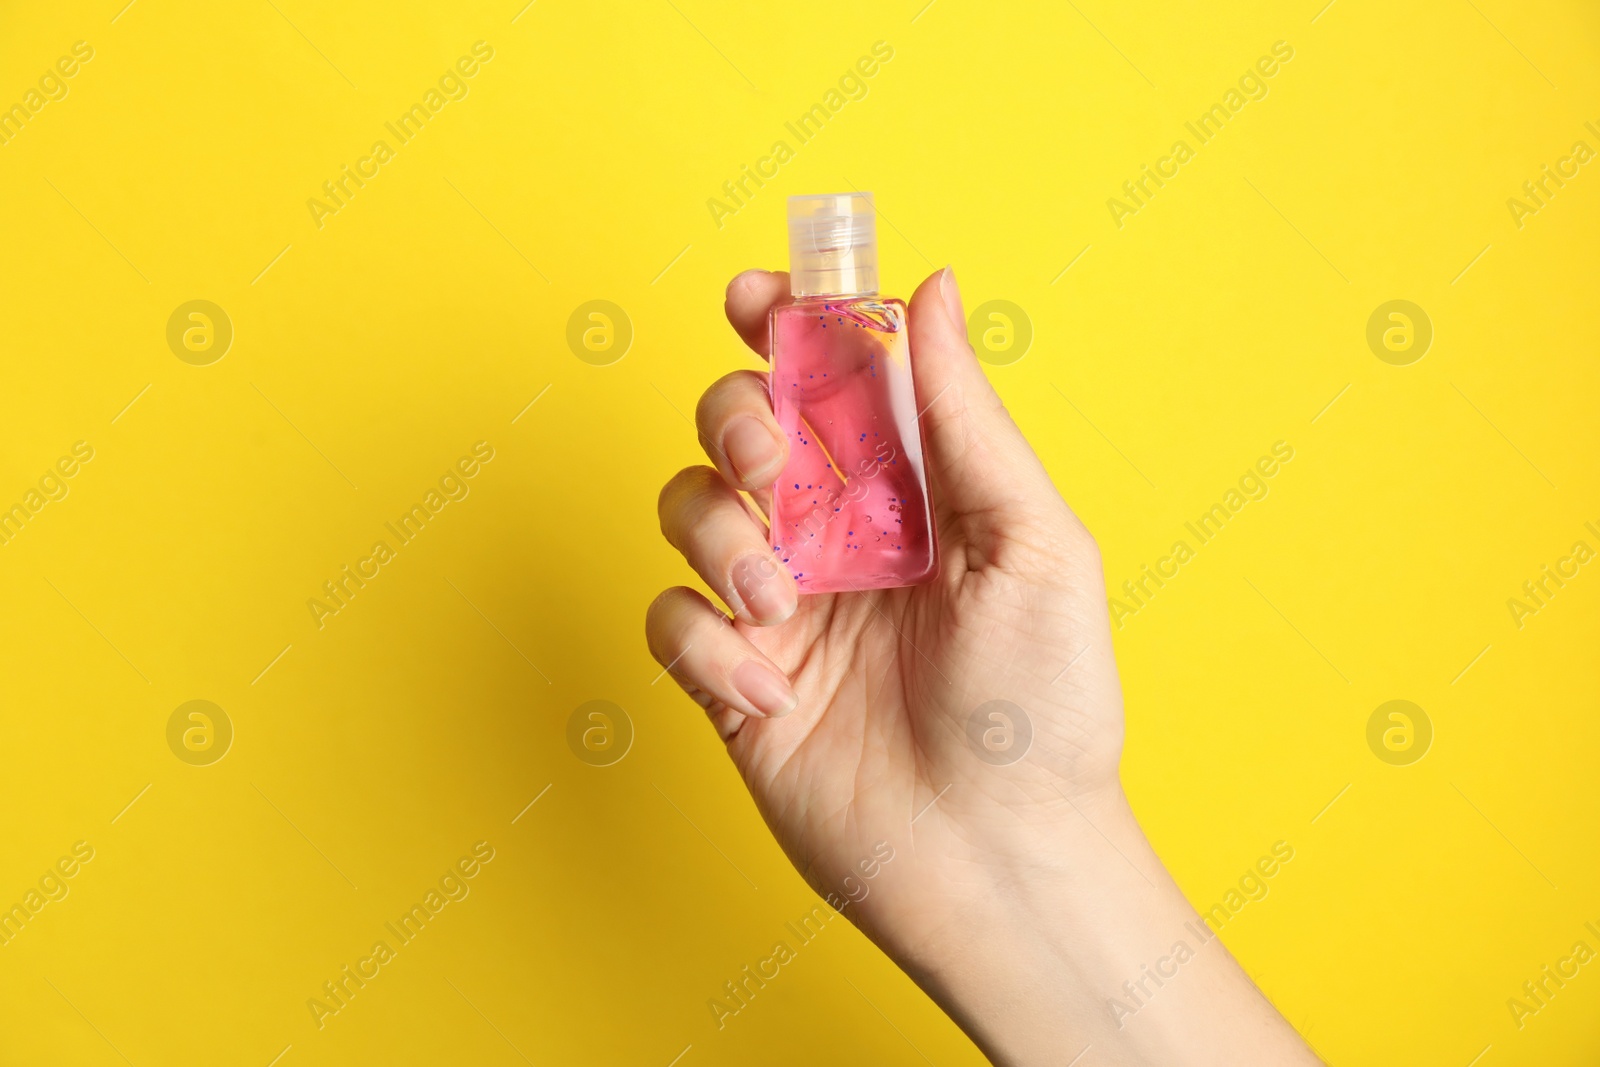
(981,462)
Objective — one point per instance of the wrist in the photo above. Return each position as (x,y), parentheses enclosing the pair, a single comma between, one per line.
(1027,960)
(1063,946)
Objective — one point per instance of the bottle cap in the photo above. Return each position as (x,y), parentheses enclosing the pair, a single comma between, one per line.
(833,245)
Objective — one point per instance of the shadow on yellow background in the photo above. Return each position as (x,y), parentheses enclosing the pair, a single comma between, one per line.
(244,346)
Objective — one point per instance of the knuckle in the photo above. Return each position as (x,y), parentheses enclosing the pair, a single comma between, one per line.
(695,500)
(726,396)
(1085,540)
(658,621)
(705,407)
(661,602)
(737,284)
(688,483)
(656,613)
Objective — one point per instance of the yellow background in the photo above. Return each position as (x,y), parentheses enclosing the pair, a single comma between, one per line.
(432,309)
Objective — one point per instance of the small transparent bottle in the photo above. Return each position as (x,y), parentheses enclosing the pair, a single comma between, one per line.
(851,510)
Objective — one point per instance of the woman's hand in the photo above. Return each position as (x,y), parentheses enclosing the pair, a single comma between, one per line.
(972,725)
(882,684)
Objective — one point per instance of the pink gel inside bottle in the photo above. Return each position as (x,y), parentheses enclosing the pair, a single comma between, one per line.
(851,510)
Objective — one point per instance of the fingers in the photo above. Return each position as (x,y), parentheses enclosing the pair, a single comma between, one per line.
(705,519)
(972,441)
(739,431)
(749,302)
(695,642)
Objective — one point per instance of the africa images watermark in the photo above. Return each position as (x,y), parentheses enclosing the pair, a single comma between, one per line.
(1252,886)
(1539,591)
(452,86)
(1538,992)
(741,990)
(52,86)
(1252,485)
(343,588)
(1137,993)
(337,994)
(805,530)
(52,486)
(52,887)
(1252,86)
(1538,190)
(1130,1003)
(852,85)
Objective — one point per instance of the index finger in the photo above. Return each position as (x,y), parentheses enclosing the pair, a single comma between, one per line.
(749,303)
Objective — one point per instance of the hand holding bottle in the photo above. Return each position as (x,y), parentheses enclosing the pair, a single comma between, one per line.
(1022,893)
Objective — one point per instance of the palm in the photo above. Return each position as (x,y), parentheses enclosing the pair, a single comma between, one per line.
(888,682)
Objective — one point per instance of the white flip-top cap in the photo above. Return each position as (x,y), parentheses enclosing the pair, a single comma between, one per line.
(833,245)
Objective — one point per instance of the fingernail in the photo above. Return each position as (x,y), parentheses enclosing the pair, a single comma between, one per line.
(751,450)
(759,588)
(952,299)
(764,689)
